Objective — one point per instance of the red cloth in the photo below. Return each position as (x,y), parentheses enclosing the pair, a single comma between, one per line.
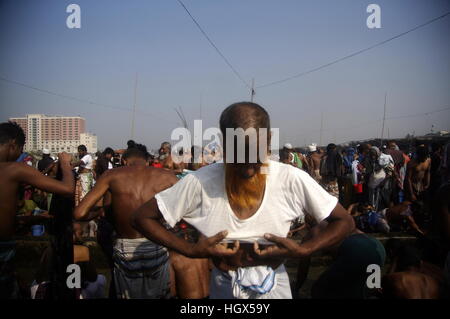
(358,188)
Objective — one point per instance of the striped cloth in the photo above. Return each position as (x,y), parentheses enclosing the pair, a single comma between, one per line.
(141,269)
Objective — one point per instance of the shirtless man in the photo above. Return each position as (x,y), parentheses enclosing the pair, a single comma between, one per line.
(409,279)
(397,214)
(12,174)
(417,178)
(314,158)
(248,206)
(141,268)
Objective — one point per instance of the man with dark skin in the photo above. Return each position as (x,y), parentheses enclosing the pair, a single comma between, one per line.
(418,175)
(46,160)
(314,158)
(85,178)
(253,244)
(396,215)
(82,152)
(12,174)
(189,276)
(125,189)
(103,162)
(410,278)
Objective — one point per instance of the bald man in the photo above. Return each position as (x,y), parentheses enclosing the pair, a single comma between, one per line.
(244,208)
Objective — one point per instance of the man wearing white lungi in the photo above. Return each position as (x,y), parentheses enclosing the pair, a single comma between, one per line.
(243,208)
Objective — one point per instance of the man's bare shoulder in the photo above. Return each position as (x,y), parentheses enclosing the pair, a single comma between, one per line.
(147,171)
(160,171)
(10,165)
(13,168)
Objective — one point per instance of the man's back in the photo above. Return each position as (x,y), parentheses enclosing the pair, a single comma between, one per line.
(410,285)
(8,199)
(130,187)
(315,160)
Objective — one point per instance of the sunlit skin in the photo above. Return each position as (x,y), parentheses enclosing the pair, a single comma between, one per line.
(129,187)
(189,277)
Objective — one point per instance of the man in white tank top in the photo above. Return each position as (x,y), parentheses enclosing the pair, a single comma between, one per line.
(244,209)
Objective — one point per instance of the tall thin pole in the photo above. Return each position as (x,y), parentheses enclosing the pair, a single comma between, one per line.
(201,102)
(321,128)
(252,92)
(134,107)
(384,119)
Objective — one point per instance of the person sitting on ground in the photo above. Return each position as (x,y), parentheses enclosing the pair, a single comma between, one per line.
(396,217)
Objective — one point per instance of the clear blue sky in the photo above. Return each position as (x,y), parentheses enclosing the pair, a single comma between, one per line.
(264,39)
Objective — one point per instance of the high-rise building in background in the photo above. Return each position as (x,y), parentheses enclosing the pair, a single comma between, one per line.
(56,133)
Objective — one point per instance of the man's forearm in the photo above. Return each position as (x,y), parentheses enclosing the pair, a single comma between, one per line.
(146,221)
(333,234)
(90,215)
(67,177)
(154,231)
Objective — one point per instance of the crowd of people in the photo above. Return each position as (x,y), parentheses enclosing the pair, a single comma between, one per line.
(204,228)
(388,191)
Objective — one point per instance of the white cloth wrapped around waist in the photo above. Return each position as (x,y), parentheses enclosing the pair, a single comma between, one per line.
(248,281)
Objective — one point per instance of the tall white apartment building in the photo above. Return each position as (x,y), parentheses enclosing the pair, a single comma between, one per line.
(56,133)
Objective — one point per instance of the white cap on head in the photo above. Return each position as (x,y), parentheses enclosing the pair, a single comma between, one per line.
(288,146)
(312,147)
(45,151)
